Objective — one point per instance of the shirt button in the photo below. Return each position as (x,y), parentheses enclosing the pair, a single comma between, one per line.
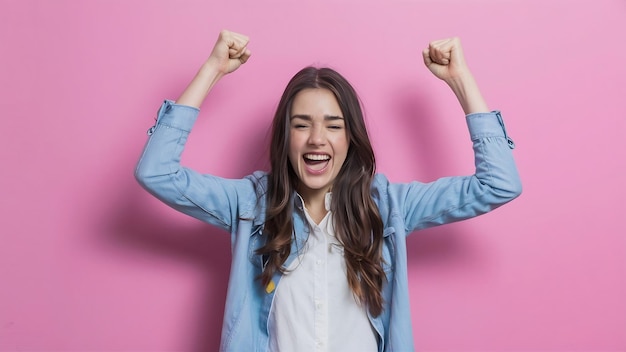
(510,142)
(320,262)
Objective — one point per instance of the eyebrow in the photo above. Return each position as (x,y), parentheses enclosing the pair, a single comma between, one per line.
(308,117)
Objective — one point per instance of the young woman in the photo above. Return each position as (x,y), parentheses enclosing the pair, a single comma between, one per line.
(319,251)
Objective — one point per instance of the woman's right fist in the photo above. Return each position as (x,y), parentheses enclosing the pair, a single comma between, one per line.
(230,51)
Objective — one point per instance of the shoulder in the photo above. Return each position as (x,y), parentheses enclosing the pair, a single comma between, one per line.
(380,181)
(255,204)
(390,196)
(258,180)
(380,194)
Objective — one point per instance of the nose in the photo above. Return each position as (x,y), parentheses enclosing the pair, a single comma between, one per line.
(317,136)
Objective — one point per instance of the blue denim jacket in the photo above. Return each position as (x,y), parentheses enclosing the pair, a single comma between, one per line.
(238,206)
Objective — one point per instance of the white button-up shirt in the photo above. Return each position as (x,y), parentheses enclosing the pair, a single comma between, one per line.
(314,308)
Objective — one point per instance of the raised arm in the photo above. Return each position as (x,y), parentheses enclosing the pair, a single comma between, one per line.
(495,181)
(445,59)
(209,198)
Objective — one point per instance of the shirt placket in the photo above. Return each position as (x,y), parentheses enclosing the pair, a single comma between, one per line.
(321,291)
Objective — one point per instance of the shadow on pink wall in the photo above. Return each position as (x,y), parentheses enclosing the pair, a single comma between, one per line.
(203,247)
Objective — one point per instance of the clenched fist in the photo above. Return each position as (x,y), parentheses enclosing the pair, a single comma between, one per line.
(444,58)
(230,51)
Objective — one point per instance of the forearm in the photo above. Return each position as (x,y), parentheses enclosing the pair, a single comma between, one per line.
(201,85)
(467,92)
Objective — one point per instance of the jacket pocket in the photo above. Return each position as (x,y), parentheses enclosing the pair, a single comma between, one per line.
(257,240)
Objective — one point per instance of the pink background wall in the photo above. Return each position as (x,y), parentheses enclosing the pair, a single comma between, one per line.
(89,261)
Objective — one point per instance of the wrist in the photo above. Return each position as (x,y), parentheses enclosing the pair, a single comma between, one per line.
(211,70)
(468,94)
(461,82)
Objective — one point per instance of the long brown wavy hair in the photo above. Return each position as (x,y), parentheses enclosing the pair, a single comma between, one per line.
(358,225)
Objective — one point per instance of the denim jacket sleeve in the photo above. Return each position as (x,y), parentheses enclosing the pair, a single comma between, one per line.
(209,198)
(450,199)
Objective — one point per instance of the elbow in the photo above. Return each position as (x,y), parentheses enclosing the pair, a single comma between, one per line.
(515,191)
(510,190)
(142,179)
(145,178)
(162,185)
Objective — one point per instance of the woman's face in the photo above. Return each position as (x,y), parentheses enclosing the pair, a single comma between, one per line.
(318,140)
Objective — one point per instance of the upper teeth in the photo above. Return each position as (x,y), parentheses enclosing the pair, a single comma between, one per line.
(317,156)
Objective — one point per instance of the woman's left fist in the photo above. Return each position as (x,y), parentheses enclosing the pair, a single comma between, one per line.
(444,58)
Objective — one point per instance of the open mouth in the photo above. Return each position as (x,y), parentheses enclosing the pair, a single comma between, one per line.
(316,163)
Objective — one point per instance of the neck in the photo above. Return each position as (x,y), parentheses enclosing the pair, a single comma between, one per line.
(315,202)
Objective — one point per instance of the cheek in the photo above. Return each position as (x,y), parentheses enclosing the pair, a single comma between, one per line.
(341,144)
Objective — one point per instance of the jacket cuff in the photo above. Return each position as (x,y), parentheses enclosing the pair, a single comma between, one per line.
(177,116)
(487,124)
